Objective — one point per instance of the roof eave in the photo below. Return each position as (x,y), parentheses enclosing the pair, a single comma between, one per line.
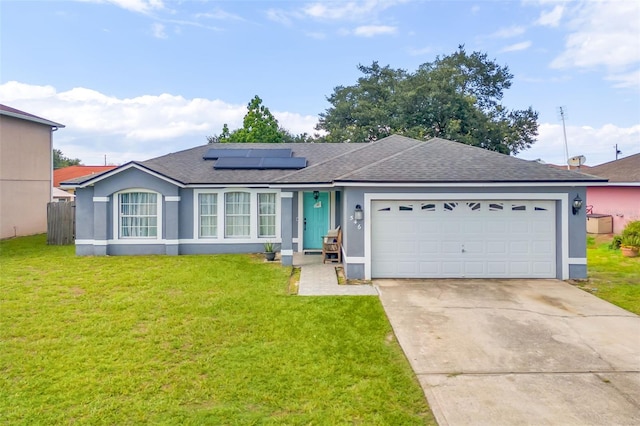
(34,119)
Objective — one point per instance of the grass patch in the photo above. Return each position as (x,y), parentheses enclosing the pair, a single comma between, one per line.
(189,340)
(612,277)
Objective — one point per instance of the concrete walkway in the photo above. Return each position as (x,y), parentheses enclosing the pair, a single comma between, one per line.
(318,279)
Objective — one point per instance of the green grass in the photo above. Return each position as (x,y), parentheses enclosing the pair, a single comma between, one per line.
(189,340)
(613,277)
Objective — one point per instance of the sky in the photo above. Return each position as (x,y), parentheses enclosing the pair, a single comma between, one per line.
(136,79)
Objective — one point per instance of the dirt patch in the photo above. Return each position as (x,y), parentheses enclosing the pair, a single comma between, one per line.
(294,280)
(342,279)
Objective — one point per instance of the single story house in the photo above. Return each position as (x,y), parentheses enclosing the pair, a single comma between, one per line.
(620,197)
(71,172)
(407,208)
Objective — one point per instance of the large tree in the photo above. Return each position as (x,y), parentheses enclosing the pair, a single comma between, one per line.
(259,125)
(59,160)
(455,97)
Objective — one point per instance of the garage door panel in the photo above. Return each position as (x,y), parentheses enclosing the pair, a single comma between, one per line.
(407,247)
(452,269)
(449,247)
(496,247)
(497,268)
(542,247)
(519,247)
(429,269)
(474,269)
(445,238)
(519,269)
(542,267)
(428,226)
(496,226)
(473,247)
(429,247)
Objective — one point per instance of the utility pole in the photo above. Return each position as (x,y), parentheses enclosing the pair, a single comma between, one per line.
(617,151)
(564,131)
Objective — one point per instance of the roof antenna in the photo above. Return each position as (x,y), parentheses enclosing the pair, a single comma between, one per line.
(564,130)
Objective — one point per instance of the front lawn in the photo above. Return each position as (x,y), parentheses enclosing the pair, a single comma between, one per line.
(189,340)
(612,277)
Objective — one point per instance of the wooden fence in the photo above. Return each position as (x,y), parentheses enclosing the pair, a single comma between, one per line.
(61,223)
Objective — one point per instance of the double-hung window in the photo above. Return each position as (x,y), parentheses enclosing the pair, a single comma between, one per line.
(138,215)
(237,215)
(208,207)
(267,215)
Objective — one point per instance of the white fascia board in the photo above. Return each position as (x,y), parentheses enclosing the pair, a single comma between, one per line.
(127,167)
(462,184)
(302,185)
(226,185)
(32,119)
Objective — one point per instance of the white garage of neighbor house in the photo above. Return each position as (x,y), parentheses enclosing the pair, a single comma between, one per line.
(432,208)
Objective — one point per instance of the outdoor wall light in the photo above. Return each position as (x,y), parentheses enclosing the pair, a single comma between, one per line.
(316,194)
(358,214)
(577,204)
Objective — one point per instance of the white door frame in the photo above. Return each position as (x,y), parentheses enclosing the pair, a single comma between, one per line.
(331,212)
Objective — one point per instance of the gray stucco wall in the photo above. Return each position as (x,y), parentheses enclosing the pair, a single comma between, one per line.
(354,244)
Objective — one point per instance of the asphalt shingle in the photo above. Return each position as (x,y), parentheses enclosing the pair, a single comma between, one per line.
(392,159)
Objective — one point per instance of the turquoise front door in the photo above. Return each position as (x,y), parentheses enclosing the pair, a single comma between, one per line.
(316,219)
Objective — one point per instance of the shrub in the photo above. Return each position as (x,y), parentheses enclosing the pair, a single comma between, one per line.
(616,242)
(630,236)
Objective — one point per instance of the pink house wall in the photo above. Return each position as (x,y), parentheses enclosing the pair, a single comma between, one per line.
(621,202)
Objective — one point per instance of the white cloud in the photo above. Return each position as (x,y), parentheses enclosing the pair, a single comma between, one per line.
(158,30)
(603,33)
(135,128)
(352,10)
(516,47)
(552,17)
(509,32)
(221,15)
(140,6)
(597,144)
(626,80)
(280,16)
(374,30)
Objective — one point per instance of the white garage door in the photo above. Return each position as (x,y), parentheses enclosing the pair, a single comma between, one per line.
(456,239)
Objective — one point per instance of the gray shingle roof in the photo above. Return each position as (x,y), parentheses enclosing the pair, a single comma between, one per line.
(392,159)
(626,169)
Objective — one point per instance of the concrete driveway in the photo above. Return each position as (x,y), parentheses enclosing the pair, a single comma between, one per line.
(515,352)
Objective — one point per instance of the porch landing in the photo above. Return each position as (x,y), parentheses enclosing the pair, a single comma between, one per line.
(318,279)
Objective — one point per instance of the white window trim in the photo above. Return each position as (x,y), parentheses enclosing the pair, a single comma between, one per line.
(275,215)
(116,217)
(253,232)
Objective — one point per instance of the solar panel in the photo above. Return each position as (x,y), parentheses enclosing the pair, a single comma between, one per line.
(260,163)
(215,153)
(284,163)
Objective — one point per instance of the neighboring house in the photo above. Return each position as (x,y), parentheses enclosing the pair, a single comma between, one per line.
(620,197)
(72,172)
(59,195)
(25,171)
(429,209)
